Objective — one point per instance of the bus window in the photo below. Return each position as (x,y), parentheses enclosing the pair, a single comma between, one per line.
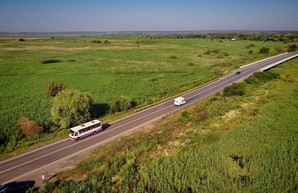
(76,133)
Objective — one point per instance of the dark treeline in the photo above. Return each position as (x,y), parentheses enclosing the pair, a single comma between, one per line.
(281,37)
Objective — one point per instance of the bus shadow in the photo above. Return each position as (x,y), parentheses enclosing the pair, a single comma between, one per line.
(105,126)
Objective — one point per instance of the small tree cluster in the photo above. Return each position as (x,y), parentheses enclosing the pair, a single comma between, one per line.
(264,50)
(54,87)
(121,103)
(29,127)
(234,89)
(22,40)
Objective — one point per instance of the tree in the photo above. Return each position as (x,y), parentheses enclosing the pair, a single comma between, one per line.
(121,103)
(70,108)
(54,87)
(29,127)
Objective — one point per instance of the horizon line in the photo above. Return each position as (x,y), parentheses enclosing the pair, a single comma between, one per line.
(137,31)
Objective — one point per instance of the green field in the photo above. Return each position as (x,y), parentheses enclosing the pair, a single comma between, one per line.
(221,144)
(142,69)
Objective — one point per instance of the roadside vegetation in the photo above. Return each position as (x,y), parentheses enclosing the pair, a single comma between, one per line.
(224,143)
(107,67)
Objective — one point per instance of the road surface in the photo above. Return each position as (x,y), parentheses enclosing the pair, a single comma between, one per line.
(18,167)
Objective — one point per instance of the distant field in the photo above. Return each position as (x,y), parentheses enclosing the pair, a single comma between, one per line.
(142,69)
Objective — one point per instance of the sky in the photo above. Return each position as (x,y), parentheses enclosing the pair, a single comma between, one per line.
(147,15)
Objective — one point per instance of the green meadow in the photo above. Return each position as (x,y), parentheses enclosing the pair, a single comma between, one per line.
(144,70)
(242,143)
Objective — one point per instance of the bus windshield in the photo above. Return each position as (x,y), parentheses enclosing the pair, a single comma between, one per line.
(71,132)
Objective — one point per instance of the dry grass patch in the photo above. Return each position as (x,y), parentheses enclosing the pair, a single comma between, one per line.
(113,47)
(171,148)
(231,114)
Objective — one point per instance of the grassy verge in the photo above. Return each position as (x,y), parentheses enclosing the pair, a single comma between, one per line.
(222,144)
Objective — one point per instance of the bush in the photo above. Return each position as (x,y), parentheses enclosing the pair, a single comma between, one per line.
(70,108)
(263,77)
(184,116)
(250,52)
(96,41)
(234,89)
(264,50)
(215,51)
(249,46)
(226,54)
(121,103)
(208,52)
(54,87)
(203,115)
(280,49)
(292,48)
(106,41)
(266,76)
(173,57)
(22,40)
(50,61)
(29,127)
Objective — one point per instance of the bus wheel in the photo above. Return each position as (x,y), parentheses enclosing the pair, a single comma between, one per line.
(94,132)
(78,139)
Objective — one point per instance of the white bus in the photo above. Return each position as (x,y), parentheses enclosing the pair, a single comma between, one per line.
(84,130)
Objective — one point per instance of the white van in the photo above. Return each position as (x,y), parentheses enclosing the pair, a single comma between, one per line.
(179,101)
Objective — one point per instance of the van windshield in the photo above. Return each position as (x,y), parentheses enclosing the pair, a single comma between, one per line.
(71,132)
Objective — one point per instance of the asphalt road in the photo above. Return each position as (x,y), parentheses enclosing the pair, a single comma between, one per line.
(18,167)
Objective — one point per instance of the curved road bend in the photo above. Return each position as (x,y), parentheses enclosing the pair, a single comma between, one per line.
(18,167)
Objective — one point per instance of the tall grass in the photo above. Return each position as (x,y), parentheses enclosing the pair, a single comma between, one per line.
(248,145)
